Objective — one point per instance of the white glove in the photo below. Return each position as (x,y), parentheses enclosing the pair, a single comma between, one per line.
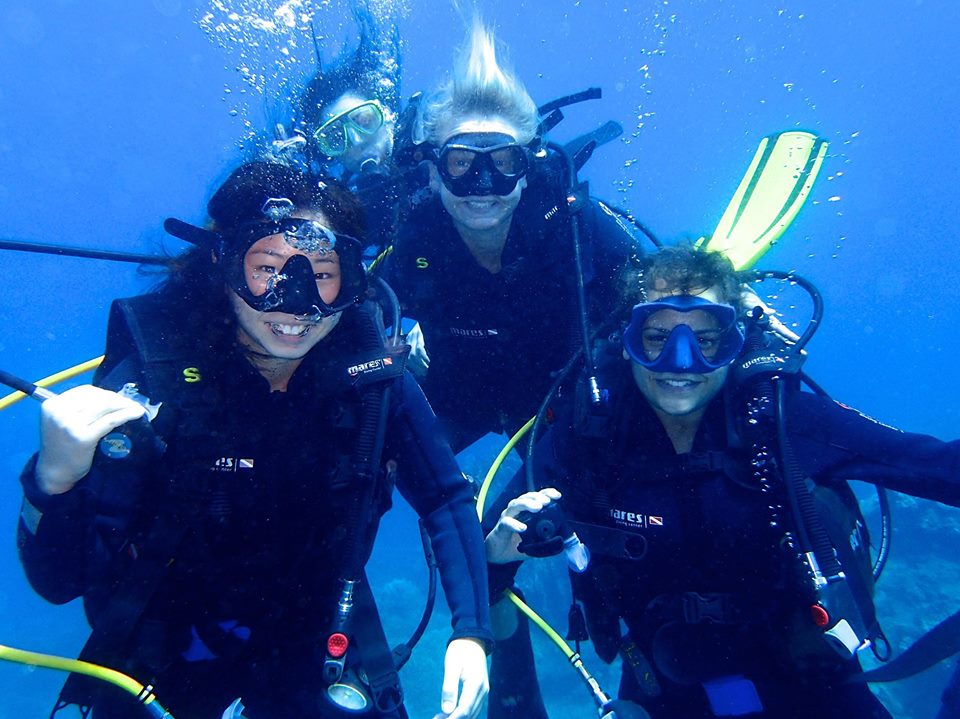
(71,424)
(465,682)
(419,361)
(502,542)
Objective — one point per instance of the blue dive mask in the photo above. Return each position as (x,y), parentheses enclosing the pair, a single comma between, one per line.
(479,164)
(681,349)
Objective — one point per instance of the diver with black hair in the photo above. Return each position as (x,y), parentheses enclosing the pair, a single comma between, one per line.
(345,121)
(712,496)
(226,559)
(347,111)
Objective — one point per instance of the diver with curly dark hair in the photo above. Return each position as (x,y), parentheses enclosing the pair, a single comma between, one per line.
(714,502)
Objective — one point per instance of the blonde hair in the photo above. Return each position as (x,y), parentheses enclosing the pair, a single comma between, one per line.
(480,86)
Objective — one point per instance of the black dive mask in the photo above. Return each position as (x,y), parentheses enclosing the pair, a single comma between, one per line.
(292,287)
(479,164)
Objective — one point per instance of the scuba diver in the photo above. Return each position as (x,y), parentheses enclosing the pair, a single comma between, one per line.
(219,547)
(483,261)
(346,120)
(489,258)
(347,111)
(713,500)
(486,266)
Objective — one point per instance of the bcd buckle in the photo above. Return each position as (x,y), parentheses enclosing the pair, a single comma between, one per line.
(710,608)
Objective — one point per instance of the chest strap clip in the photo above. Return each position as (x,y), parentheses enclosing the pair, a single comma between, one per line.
(707,608)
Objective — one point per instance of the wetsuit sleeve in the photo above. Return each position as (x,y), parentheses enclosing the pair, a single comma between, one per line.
(837,442)
(52,537)
(608,244)
(60,538)
(431,481)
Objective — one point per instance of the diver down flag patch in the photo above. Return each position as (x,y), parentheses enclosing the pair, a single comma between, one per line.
(231,464)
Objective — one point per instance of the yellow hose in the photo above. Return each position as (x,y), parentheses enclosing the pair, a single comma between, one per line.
(573,657)
(49,661)
(495,467)
(541,623)
(53,379)
(481,502)
(380,258)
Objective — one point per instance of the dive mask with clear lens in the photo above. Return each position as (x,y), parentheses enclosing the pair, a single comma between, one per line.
(333,137)
(682,349)
(480,164)
(292,288)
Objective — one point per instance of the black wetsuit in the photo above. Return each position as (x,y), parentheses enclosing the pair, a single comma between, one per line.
(254,583)
(705,595)
(383,196)
(386,193)
(495,339)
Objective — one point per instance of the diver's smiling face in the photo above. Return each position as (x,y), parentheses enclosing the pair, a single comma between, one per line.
(280,335)
(479,213)
(678,394)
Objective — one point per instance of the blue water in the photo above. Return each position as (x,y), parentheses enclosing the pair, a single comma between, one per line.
(116,114)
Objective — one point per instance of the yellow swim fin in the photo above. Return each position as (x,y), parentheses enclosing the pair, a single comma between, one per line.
(769,196)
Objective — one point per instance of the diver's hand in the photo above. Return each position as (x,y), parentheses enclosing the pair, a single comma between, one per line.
(465,682)
(419,361)
(502,542)
(749,299)
(71,424)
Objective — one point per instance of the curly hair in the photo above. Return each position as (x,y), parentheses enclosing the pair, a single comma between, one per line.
(480,85)
(683,269)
